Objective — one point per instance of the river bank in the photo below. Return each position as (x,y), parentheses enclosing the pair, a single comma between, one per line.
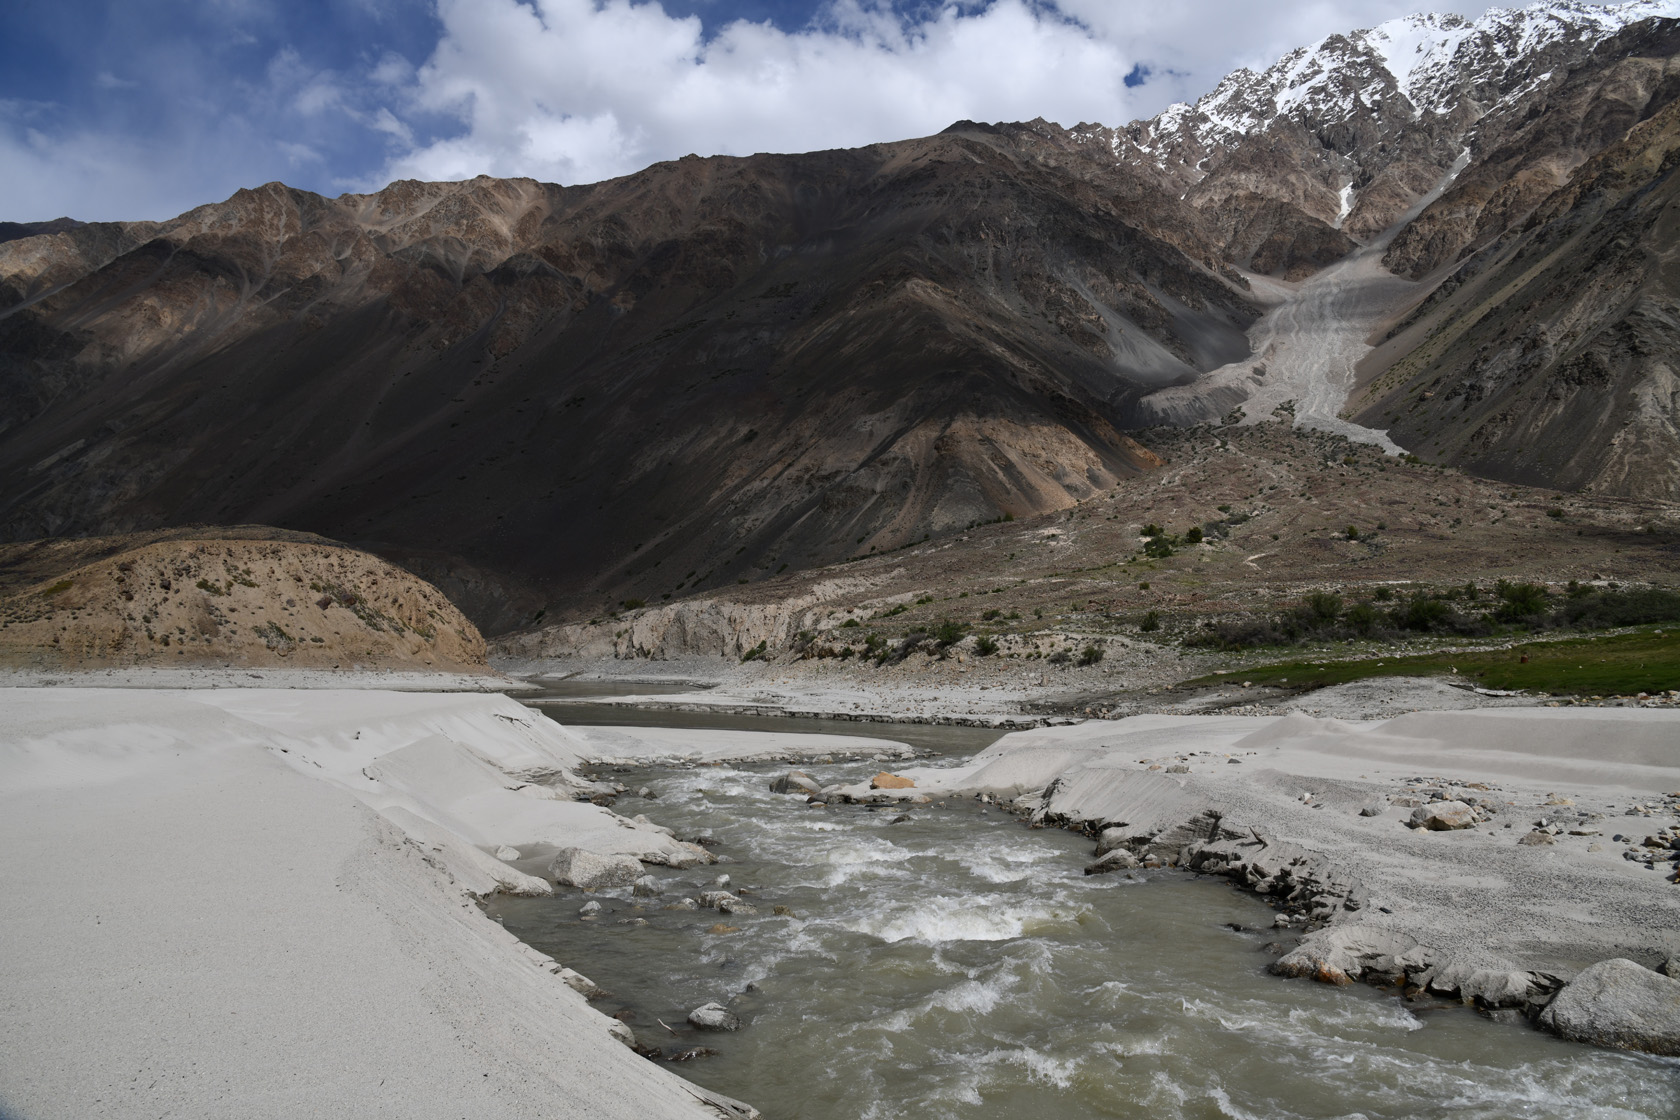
(299,840)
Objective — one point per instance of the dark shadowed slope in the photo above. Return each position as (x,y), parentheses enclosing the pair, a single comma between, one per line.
(713,367)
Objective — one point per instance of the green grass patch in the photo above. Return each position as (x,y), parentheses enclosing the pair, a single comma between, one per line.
(1647,661)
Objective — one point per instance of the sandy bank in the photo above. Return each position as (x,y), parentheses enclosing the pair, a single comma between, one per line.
(258,903)
(1313,813)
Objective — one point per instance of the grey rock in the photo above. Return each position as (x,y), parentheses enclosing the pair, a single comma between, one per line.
(725,902)
(1371,811)
(796,781)
(505,853)
(1118,860)
(714,1017)
(1621,1004)
(1536,839)
(1443,816)
(1671,968)
(576,867)
(589,909)
(645,887)
(622,1032)
(684,904)
(580,984)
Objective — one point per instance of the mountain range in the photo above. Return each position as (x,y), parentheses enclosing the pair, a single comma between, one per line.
(547,398)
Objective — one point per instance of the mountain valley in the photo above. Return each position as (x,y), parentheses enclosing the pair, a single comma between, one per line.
(553,400)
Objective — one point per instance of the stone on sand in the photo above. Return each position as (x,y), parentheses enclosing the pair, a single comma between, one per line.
(1444,816)
(884,780)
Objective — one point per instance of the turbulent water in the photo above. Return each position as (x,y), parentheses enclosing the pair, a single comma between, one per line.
(961,965)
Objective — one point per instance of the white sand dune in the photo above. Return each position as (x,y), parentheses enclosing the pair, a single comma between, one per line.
(256,903)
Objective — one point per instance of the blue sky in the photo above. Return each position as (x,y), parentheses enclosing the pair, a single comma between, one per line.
(144,108)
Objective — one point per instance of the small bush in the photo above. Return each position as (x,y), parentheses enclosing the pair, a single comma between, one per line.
(949,632)
(1353,532)
(985,645)
(1090,655)
(633,604)
(1425,614)
(1150,622)
(1588,608)
(1362,619)
(1153,530)
(991,614)
(1323,606)
(1520,602)
(1060,657)
(1193,535)
(1158,548)
(755,653)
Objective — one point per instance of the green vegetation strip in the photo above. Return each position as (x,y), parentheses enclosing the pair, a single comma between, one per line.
(1647,661)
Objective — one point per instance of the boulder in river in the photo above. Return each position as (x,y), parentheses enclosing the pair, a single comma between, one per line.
(1619,1003)
(577,867)
(645,887)
(884,780)
(505,853)
(1443,816)
(796,781)
(1117,860)
(714,1017)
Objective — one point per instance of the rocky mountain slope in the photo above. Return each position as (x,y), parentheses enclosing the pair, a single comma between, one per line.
(1335,141)
(717,370)
(717,366)
(239,597)
(1551,356)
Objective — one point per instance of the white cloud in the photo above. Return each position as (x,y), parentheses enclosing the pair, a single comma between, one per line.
(576,90)
(580,90)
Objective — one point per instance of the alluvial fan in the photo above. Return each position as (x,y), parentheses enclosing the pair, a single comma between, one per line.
(956,964)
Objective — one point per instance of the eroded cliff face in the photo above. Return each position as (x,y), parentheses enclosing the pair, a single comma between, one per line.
(728,627)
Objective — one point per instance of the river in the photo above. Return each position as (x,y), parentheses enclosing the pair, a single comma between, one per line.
(959,964)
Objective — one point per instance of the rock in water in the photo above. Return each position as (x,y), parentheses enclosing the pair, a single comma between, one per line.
(589,909)
(575,867)
(1619,1003)
(714,1017)
(1117,860)
(1443,816)
(645,887)
(884,780)
(796,781)
(506,853)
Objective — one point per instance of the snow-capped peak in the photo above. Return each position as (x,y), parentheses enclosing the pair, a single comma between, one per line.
(1406,67)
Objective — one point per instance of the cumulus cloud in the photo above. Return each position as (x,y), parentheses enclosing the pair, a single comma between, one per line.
(575,90)
(580,90)
(159,117)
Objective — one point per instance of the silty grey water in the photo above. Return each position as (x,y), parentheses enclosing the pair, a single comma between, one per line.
(961,965)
